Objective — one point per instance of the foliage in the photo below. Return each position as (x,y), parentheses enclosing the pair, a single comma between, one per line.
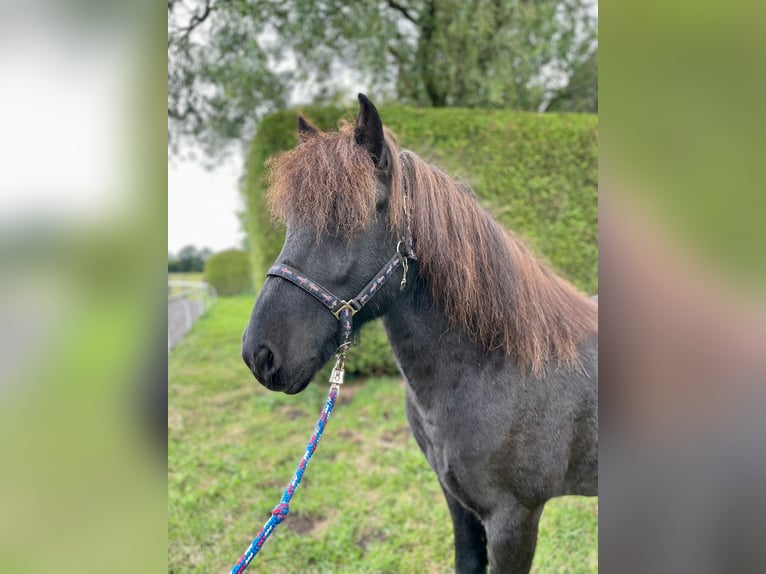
(581,93)
(190,259)
(537,174)
(368,502)
(232,62)
(229,272)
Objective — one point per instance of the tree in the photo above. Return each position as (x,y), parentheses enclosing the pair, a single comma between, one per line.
(205,253)
(581,92)
(232,61)
(190,260)
(229,272)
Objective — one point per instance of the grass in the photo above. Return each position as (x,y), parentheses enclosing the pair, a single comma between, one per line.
(176,289)
(191,276)
(368,502)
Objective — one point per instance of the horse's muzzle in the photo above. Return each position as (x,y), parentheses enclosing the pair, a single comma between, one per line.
(264,362)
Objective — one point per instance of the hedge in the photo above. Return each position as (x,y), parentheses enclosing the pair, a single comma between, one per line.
(229,272)
(536,173)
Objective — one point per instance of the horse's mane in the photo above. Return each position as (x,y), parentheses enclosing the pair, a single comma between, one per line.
(486,280)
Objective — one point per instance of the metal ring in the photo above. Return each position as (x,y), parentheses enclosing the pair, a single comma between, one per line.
(345,305)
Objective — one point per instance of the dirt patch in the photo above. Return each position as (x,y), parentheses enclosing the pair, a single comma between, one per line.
(292,413)
(350,436)
(236,396)
(302,523)
(321,526)
(272,484)
(368,539)
(399,435)
(347,393)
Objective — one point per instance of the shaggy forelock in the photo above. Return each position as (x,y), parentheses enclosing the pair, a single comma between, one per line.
(327,183)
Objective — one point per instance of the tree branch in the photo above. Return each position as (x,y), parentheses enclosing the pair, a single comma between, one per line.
(195,21)
(402,10)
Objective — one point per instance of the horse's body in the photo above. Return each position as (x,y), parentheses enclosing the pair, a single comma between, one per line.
(505,422)
(501,444)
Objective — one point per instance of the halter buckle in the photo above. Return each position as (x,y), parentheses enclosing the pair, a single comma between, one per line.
(346,305)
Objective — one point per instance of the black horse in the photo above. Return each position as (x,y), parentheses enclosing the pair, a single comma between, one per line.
(499,354)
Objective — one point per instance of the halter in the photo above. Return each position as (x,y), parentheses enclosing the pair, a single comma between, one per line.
(344,310)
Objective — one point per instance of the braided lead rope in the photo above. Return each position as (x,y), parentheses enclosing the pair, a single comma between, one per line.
(343,312)
(280,510)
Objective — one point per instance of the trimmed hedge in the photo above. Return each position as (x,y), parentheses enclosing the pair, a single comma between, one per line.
(229,272)
(536,173)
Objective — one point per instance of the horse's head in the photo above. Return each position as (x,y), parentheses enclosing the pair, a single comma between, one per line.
(339,196)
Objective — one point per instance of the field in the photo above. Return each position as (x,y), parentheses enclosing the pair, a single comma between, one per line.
(368,502)
(175,289)
(190,277)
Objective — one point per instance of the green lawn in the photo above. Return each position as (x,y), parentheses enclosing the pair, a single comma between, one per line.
(368,501)
(176,289)
(192,276)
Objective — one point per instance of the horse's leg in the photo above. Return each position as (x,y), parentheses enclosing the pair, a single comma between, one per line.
(470,540)
(511,538)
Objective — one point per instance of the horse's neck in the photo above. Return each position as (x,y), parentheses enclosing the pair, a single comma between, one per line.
(424,342)
(436,355)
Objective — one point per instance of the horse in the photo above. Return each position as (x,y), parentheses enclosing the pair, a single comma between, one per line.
(498,354)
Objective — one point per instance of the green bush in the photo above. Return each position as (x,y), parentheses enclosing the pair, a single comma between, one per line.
(536,173)
(229,272)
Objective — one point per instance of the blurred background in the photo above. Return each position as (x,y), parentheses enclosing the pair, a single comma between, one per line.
(82,233)
(682,262)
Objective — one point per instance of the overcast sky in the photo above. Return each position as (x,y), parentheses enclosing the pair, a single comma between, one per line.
(203,205)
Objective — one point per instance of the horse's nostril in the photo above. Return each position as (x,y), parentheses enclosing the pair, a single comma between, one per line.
(265,364)
(264,359)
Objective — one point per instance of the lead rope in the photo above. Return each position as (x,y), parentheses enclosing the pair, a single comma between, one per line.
(343,311)
(280,510)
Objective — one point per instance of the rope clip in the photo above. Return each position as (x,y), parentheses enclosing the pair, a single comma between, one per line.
(403,284)
(339,370)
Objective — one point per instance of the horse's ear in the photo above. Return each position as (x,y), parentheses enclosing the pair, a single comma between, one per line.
(369,129)
(305,129)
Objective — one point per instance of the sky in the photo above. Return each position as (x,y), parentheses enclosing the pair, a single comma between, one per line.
(203,205)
